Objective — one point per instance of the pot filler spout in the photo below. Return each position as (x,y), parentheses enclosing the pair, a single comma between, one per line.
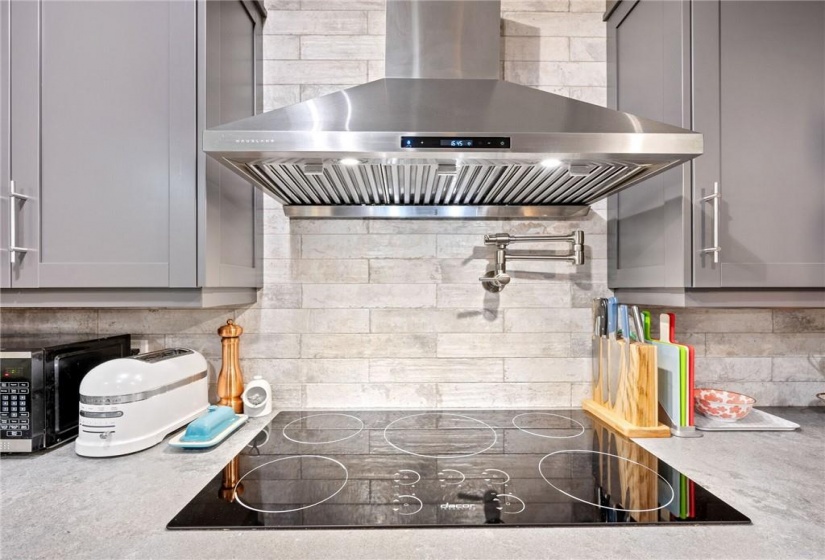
(443,136)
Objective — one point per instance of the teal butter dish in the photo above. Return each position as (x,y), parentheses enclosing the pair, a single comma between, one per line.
(215,425)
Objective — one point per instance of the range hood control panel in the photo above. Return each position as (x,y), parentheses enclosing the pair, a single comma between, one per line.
(457,142)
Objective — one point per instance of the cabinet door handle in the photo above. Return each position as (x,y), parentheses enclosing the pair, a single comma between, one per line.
(13,198)
(715,199)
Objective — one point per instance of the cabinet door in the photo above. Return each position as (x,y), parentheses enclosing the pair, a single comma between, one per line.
(103,97)
(648,225)
(760,101)
(234,218)
(5,139)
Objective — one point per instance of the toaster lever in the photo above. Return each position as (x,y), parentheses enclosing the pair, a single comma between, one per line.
(105,435)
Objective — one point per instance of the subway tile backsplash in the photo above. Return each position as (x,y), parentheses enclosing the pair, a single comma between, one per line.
(390,313)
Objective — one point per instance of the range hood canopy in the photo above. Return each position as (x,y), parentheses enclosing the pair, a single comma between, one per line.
(442,136)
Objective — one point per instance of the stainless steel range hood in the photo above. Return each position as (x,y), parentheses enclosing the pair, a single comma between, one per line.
(442,136)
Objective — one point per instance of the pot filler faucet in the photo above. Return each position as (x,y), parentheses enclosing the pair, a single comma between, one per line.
(495,280)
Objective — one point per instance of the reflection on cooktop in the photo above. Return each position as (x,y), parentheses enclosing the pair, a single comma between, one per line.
(374,468)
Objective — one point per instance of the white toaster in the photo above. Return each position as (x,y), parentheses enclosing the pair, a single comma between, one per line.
(130,404)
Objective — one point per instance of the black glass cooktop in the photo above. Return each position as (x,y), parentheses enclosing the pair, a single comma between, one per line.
(473,468)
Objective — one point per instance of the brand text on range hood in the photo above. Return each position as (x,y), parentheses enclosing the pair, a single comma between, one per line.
(442,136)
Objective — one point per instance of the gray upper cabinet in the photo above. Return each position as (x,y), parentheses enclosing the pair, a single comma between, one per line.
(751,77)
(108,197)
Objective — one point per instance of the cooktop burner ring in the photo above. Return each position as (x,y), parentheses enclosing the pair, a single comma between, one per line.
(360,428)
(402,450)
(247,506)
(526,431)
(672,492)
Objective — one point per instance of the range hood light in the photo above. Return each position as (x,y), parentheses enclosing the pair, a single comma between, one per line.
(349,161)
(550,163)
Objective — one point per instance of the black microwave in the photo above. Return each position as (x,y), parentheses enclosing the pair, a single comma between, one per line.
(40,386)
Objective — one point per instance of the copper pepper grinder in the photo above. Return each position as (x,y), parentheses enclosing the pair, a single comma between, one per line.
(230,380)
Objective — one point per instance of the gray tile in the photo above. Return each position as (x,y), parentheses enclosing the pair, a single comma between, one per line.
(368,246)
(732,369)
(316,271)
(548,370)
(723,320)
(459,370)
(504,345)
(48,321)
(502,395)
(547,320)
(799,368)
(368,296)
(372,395)
(799,320)
(368,346)
(435,320)
(758,344)
(556,294)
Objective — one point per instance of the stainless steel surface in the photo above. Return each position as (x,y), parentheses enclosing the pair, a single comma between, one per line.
(715,249)
(141,396)
(441,211)
(442,39)
(296,153)
(496,280)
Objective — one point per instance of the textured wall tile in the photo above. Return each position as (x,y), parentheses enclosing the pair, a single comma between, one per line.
(283,271)
(592,224)
(287,396)
(583,293)
(281,47)
(503,395)
(435,320)
(275,372)
(581,345)
(516,295)
(368,296)
(597,6)
(799,320)
(339,321)
(377,23)
(279,296)
(476,227)
(294,321)
(535,48)
(343,4)
(311,91)
(321,226)
(591,49)
(372,395)
(456,370)
(282,4)
(732,369)
(282,247)
(48,321)
(765,344)
(405,271)
(276,97)
(316,23)
(594,95)
(334,371)
(545,370)
(270,345)
(275,222)
(807,368)
(342,47)
(161,321)
(314,71)
(722,320)
(505,345)
(555,73)
(463,246)
(367,346)
(207,344)
(376,70)
(464,271)
(553,24)
(547,320)
(368,246)
(534,5)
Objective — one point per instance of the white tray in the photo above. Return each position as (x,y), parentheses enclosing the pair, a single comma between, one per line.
(239,421)
(757,420)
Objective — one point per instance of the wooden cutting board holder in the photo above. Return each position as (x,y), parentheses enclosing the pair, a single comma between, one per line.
(633,410)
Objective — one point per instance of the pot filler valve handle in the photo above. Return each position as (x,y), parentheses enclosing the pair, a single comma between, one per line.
(496,280)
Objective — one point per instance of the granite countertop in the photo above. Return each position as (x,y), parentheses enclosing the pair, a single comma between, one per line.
(59,505)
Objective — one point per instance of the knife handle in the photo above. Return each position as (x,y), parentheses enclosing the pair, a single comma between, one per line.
(612,315)
(624,322)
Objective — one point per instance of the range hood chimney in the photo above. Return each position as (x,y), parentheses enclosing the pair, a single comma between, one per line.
(443,136)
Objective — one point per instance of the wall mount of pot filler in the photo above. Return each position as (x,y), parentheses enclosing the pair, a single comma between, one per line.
(495,280)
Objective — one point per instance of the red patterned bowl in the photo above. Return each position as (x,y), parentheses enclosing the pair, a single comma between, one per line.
(725,406)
